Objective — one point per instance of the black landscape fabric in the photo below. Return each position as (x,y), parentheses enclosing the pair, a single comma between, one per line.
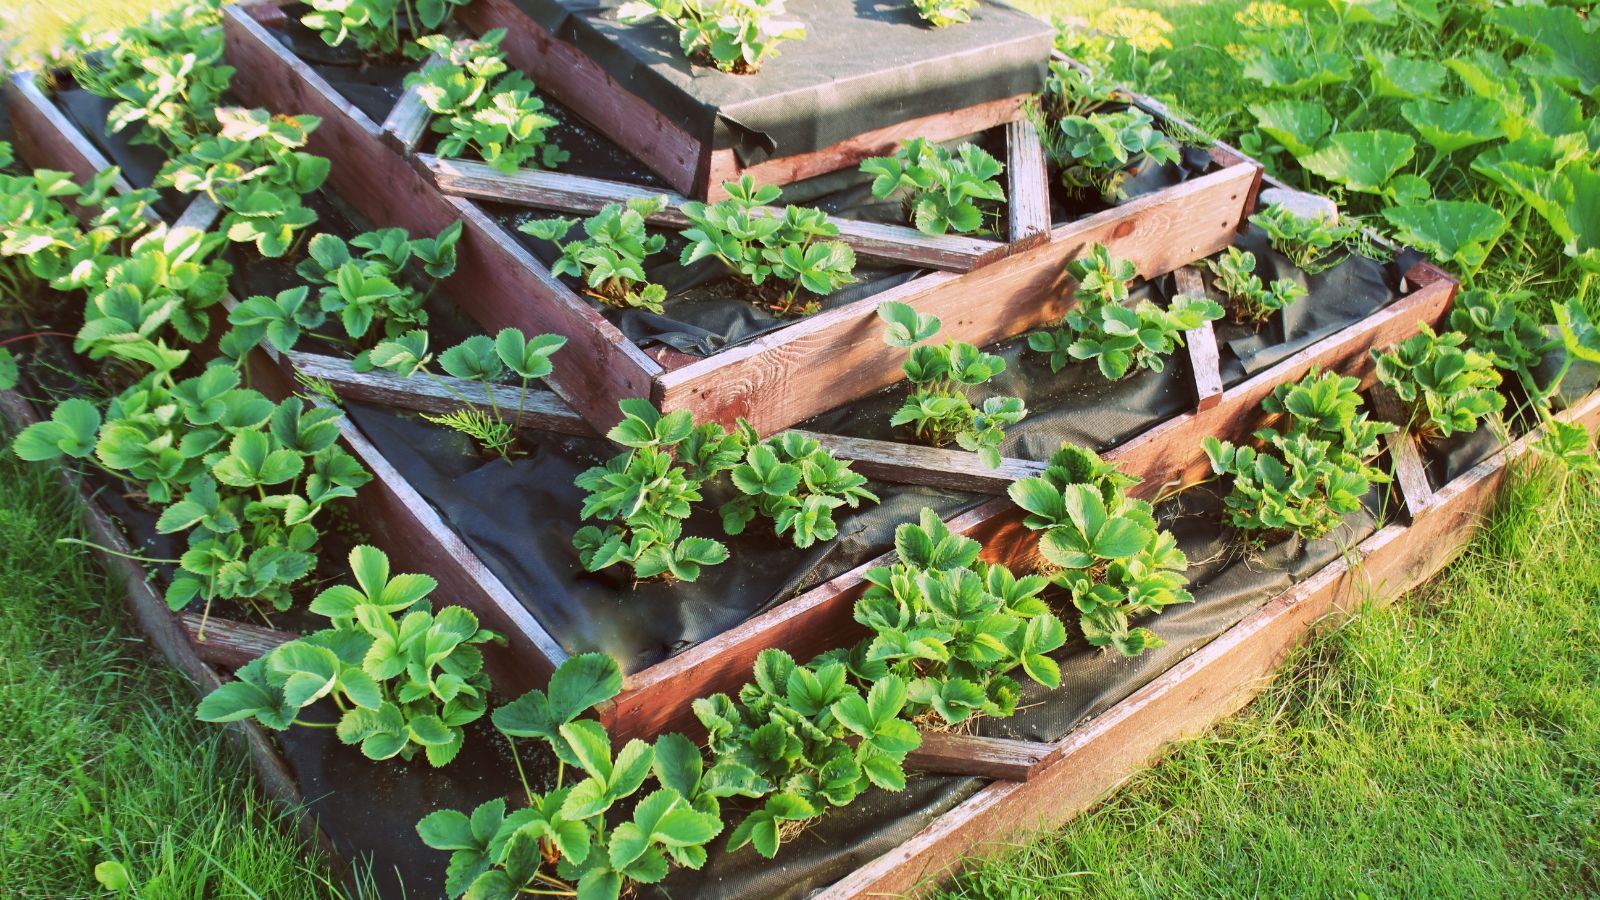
(863,65)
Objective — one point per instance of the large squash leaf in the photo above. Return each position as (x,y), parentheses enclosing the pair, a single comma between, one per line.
(1453,231)
(1299,125)
(1448,127)
(1400,76)
(1362,160)
(1561,44)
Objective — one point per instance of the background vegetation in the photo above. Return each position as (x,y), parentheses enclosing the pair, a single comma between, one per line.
(1446,745)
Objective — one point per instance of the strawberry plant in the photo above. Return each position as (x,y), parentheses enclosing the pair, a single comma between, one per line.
(560,842)
(777,254)
(942,190)
(944,13)
(480,359)
(1306,477)
(43,244)
(1248,299)
(1103,547)
(952,627)
(610,257)
(1096,152)
(402,676)
(1103,328)
(736,36)
(374,26)
(811,740)
(939,408)
(482,106)
(645,494)
(791,480)
(1447,388)
(1313,244)
(1498,326)
(370,286)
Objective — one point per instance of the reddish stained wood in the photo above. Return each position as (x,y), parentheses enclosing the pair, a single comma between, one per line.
(229,644)
(984,757)
(579,194)
(838,355)
(1028,197)
(45,139)
(945,126)
(569,75)
(496,281)
(1211,684)
(1205,361)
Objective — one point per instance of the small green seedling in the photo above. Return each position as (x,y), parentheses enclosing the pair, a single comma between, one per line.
(943,191)
(1249,300)
(610,257)
(1098,151)
(1314,244)
(736,36)
(944,13)
(791,480)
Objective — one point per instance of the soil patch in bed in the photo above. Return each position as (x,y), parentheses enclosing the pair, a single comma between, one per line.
(519,518)
(707,309)
(1076,405)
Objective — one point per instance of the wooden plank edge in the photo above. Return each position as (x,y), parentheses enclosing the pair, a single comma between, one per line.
(44,137)
(1028,200)
(408,119)
(1213,683)
(1205,360)
(1410,474)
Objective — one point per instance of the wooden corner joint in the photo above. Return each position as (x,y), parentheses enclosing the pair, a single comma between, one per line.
(1205,359)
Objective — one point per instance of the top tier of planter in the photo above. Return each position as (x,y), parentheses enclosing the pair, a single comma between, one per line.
(865,77)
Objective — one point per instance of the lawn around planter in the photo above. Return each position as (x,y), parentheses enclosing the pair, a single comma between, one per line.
(910,487)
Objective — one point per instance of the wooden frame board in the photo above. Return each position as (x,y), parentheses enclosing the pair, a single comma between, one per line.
(773,381)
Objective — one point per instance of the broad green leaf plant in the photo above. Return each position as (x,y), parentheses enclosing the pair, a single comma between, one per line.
(1096,153)
(942,191)
(1121,339)
(1248,299)
(736,36)
(402,677)
(482,106)
(940,409)
(375,27)
(610,256)
(1447,387)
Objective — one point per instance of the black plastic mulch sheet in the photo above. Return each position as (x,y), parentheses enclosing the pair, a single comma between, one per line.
(707,309)
(1337,298)
(1076,405)
(371,84)
(861,66)
(1229,582)
(520,517)
(1145,176)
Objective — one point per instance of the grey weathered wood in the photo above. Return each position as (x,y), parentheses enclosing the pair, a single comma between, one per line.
(409,117)
(1028,200)
(201,213)
(986,757)
(1410,473)
(579,194)
(1205,360)
(939,467)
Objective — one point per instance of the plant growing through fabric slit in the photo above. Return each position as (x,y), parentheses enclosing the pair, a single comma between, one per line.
(811,740)
(561,842)
(374,26)
(791,480)
(1306,477)
(1313,243)
(1104,547)
(943,191)
(1104,328)
(939,408)
(944,13)
(482,106)
(402,676)
(1097,152)
(480,359)
(609,259)
(780,254)
(646,493)
(736,36)
(952,627)
(1249,300)
(1448,389)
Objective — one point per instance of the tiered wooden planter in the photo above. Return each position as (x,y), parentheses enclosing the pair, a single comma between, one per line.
(987,292)
(1004,290)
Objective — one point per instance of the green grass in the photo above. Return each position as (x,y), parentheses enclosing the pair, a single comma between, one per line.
(100,756)
(31,27)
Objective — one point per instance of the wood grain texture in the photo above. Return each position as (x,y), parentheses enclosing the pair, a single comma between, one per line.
(228,644)
(1410,473)
(940,127)
(1209,685)
(1028,196)
(1205,360)
(1004,759)
(44,138)
(569,75)
(496,282)
(585,196)
(838,355)
(409,118)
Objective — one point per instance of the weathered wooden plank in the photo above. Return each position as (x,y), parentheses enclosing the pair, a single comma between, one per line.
(1028,200)
(569,75)
(1214,682)
(984,757)
(948,468)
(409,117)
(945,126)
(229,644)
(583,195)
(837,355)
(1410,474)
(1205,360)
(201,213)
(496,281)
